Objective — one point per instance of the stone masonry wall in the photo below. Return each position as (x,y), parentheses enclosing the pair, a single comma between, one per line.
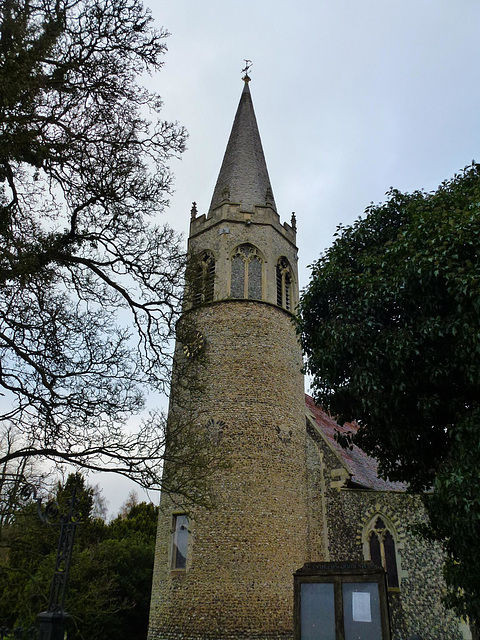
(229,227)
(238,582)
(416,607)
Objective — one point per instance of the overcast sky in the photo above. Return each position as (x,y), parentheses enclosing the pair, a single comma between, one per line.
(352,97)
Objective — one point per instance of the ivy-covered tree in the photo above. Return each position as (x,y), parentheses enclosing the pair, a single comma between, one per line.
(109,586)
(390,325)
(90,283)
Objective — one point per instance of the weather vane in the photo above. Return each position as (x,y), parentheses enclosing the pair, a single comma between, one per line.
(246,69)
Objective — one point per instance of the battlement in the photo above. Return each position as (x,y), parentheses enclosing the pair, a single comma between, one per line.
(229,212)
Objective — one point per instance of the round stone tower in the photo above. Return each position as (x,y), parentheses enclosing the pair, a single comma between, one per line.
(226,572)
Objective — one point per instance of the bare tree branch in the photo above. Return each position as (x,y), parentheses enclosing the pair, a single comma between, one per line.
(90,283)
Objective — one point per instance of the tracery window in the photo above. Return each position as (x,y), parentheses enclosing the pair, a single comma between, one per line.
(284,284)
(246,274)
(180,541)
(381,546)
(205,280)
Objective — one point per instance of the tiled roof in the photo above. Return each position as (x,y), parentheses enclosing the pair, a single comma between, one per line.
(363,468)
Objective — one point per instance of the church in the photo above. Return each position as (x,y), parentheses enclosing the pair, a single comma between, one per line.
(288,494)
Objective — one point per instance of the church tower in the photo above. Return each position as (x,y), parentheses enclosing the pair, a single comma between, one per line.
(226,572)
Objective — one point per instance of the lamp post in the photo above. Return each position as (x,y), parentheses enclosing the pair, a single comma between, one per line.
(53,621)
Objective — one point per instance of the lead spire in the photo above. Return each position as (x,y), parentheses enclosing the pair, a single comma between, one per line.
(243,177)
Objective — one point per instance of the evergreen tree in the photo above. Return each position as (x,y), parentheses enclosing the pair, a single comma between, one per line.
(390,327)
(111,571)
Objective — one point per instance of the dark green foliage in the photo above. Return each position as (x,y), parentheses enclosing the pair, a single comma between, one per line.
(454,510)
(111,572)
(390,327)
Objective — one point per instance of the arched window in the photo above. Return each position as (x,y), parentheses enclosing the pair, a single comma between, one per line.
(247,267)
(381,549)
(205,280)
(284,284)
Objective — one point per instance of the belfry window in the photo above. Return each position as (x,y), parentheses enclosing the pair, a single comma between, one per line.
(247,270)
(205,280)
(180,541)
(381,546)
(284,284)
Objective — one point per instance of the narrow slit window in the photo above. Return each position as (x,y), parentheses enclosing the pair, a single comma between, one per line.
(375,553)
(180,542)
(279,286)
(209,279)
(287,291)
(255,278)
(390,560)
(238,277)
(205,279)
(284,284)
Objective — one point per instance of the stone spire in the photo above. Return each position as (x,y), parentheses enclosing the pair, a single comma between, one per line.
(243,177)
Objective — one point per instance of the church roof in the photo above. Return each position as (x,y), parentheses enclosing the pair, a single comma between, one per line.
(362,468)
(243,177)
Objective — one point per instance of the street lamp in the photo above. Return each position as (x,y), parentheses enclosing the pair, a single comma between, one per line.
(53,621)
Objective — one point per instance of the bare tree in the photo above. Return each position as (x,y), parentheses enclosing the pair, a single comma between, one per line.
(90,285)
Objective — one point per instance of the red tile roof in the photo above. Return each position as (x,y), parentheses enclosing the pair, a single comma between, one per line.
(362,467)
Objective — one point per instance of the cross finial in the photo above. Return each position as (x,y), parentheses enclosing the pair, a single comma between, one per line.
(246,69)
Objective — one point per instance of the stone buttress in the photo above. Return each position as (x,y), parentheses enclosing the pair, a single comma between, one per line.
(227,572)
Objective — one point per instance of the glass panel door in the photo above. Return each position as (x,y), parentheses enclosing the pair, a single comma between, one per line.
(317,618)
(361,611)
